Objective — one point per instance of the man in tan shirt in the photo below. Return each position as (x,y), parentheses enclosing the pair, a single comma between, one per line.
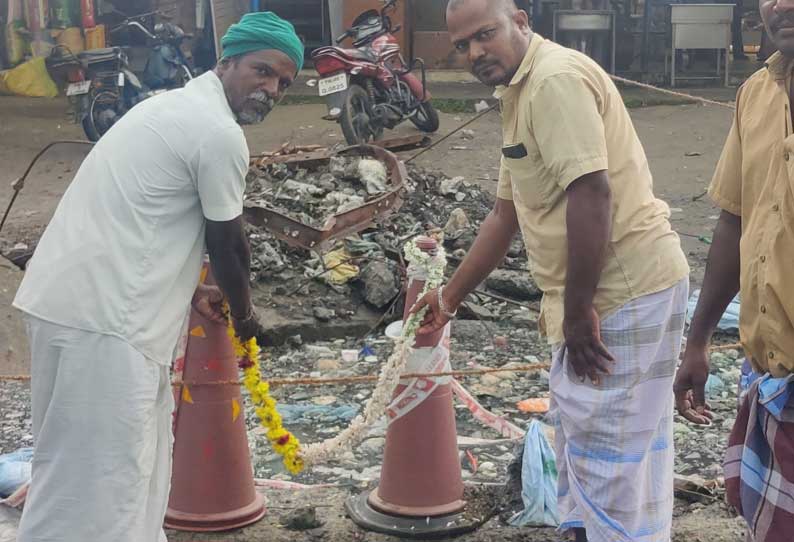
(575,181)
(753,252)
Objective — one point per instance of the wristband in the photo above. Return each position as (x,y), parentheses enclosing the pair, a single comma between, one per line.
(441,306)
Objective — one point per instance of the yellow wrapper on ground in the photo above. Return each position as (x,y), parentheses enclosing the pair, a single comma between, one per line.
(340,272)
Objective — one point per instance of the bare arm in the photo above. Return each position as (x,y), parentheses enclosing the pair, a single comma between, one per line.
(589,224)
(720,285)
(487,252)
(721,281)
(230,258)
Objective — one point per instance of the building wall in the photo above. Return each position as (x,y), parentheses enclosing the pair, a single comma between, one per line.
(224,14)
(353,8)
(423,32)
(182,12)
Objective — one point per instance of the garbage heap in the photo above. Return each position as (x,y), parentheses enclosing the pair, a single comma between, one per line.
(367,267)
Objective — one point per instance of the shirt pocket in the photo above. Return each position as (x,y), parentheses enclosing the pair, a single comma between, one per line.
(531,181)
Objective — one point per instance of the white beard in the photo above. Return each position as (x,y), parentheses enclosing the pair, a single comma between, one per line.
(256,107)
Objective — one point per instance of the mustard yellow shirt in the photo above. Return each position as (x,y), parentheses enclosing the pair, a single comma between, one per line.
(755,179)
(571,120)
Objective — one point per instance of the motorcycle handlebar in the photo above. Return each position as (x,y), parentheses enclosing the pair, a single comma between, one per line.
(341,38)
(135,24)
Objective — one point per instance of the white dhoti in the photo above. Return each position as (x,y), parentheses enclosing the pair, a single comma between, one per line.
(102,434)
(614,441)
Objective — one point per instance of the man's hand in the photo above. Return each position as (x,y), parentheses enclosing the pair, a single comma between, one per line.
(248,328)
(690,385)
(208,302)
(434,318)
(586,353)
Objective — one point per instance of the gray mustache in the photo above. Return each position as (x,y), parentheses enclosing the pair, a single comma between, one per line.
(263,98)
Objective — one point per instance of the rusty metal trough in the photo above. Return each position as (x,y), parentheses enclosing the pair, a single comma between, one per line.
(340,225)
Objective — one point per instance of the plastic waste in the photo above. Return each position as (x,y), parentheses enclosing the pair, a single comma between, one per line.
(15,470)
(538,481)
(714,386)
(339,270)
(28,79)
(534,405)
(729,320)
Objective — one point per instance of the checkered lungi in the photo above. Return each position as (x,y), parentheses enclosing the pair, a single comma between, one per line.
(759,462)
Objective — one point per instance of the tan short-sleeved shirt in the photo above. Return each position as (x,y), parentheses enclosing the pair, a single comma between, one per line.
(755,180)
(562,118)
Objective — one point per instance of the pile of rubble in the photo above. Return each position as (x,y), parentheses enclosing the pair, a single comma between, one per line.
(311,197)
(368,267)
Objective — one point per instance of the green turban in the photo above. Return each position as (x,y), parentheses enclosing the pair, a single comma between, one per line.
(263,30)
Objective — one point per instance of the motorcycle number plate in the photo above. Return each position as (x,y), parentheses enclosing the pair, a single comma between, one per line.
(121,79)
(76,89)
(333,84)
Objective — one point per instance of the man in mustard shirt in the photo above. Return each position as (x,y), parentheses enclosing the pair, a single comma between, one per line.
(753,253)
(575,181)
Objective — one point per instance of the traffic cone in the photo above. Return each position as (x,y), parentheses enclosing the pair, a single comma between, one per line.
(421,488)
(212,484)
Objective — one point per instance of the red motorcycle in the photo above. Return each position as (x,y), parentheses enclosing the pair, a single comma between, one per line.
(371,87)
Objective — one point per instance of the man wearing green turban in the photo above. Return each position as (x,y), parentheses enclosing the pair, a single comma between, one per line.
(161,188)
(261,56)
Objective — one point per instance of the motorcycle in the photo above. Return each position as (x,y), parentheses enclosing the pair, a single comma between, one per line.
(106,87)
(371,88)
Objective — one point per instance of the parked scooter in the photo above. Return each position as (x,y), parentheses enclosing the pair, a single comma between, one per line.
(370,88)
(106,87)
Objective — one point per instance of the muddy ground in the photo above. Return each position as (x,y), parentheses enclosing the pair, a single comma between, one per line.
(683,145)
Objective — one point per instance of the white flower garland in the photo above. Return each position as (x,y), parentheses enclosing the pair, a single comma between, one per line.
(423,266)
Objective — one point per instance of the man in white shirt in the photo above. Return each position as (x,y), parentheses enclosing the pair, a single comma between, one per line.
(112,280)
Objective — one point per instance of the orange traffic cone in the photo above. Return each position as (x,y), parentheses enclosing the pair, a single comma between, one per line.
(212,484)
(421,489)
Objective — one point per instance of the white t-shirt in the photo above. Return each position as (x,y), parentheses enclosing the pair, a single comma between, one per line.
(123,252)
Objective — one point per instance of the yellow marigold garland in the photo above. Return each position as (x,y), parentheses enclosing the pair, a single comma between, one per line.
(282,441)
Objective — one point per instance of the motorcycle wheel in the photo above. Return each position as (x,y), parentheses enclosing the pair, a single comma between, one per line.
(426,118)
(101,105)
(357,120)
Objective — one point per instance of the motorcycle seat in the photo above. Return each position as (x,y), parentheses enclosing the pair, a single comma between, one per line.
(100,55)
(360,54)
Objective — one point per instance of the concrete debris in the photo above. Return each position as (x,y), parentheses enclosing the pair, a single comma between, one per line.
(449,187)
(323,314)
(318,351)
(381,283)
(458,221)
(301,519)
(474,311)
(514,284)
(292,280)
